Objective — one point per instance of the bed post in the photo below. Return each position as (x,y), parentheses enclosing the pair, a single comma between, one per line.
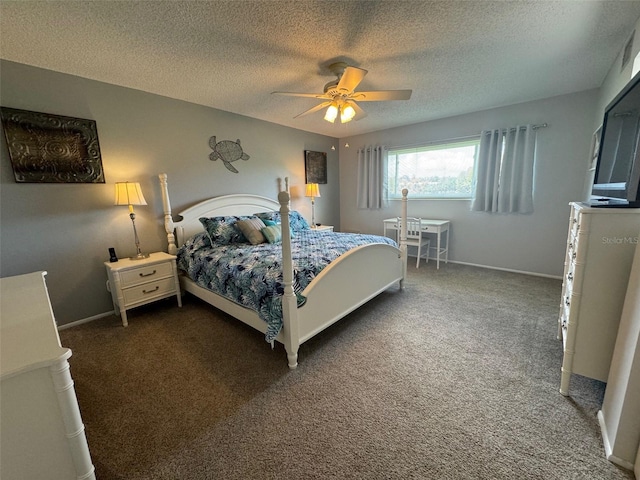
(403,236)
(291,330)
(168,219)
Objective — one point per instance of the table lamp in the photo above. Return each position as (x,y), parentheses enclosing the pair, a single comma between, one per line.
(313,191)
(130,193)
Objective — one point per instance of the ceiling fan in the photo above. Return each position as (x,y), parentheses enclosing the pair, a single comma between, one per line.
(341,98)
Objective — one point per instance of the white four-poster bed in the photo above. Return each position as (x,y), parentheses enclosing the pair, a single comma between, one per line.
(346,283)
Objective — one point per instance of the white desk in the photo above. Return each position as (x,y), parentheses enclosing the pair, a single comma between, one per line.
(437,227)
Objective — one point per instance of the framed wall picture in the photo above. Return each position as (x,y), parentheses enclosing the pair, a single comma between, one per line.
(315,167)
(46,148)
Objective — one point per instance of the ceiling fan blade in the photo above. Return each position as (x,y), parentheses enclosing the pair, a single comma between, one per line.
(308,95)
(350,79)
(382,95)
(313,109)
(360,113)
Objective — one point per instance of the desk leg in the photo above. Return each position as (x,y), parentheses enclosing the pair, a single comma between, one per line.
(438,252)
(446,254)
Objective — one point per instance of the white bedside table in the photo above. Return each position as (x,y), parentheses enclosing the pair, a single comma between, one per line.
(322,228)
(137,282)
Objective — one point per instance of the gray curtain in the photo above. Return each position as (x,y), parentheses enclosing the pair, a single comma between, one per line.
(504,181)
(372,190)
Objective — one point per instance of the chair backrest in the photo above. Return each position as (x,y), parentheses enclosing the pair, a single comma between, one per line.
(414,229)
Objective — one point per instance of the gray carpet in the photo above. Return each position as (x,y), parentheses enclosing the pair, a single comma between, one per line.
(456,377)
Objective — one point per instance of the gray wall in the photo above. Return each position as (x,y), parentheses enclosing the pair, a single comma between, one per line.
(617,77)
(66,229)
(531,243)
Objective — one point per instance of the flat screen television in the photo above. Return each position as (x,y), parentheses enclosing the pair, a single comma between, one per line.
(617,176)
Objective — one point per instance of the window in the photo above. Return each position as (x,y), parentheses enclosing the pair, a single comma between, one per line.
(444,170)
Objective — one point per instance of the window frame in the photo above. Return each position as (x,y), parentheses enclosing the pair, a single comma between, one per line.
(431,146)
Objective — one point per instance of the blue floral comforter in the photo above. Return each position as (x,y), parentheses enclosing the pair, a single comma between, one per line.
(251,275)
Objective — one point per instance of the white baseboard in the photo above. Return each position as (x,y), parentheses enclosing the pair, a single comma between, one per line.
(535,274)
(85,320)
(112,312)
(608,451)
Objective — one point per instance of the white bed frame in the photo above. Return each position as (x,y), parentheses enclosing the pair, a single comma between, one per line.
(347,283)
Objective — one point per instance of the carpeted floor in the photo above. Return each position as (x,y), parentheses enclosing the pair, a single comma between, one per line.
(456,377)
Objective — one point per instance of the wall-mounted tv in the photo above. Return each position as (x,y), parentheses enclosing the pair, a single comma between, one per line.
(617,177)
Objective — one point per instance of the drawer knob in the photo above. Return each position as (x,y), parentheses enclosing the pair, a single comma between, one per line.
(147,274)
(570,277)
(567,302)
(151,291)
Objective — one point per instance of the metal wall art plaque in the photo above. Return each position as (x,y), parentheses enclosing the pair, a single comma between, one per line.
(48,148)
(315,167)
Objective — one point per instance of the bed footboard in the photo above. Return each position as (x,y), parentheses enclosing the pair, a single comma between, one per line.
(347,283)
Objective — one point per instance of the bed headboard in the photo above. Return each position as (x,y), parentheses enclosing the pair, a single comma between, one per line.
(236,204)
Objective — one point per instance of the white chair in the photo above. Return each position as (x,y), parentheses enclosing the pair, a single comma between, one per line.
(416,239)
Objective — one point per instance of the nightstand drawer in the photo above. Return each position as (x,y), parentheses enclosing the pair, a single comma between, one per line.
(165,286)
(145,274)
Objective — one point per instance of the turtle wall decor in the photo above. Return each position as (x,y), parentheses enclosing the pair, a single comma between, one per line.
(227,151)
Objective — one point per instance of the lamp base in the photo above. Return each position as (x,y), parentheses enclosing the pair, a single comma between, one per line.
(140,256)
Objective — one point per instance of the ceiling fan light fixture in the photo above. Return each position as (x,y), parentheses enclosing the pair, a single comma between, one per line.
(347,113)
(332,113)
(341,98)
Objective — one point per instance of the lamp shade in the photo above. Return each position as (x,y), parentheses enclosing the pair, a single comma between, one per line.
(331,113)
(312,190)
(347,113)
(129,193)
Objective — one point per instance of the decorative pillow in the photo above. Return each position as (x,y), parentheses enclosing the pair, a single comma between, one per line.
(273,233)
(197,241)
(269,223)
(221,230)
(250,228)
(296,221)
(271,216)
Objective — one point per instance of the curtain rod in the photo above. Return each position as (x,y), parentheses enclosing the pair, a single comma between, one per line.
(466,137)
(535,127)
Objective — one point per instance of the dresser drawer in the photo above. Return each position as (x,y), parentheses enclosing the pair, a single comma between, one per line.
(570,277)
(564,324)
(147,273)
(574,222)
(140,293)
(571,250)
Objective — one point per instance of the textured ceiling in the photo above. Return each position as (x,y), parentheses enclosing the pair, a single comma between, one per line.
(456,56)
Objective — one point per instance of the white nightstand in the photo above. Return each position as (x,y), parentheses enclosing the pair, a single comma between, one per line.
(137,282)
(322,228)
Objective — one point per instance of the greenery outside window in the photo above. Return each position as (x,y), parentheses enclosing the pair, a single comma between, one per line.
(444,170)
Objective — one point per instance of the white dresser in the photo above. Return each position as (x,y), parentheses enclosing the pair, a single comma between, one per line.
(619,416)
(600,249)
(42,434)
